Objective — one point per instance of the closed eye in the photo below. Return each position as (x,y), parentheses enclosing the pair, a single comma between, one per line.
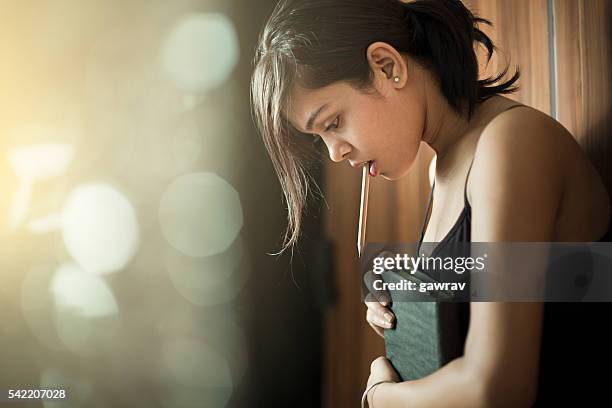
(335,124)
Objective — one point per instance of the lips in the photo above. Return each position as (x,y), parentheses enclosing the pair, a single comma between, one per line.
(373,168)
(358,164)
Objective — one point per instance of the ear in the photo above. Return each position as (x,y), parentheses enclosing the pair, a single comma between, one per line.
(386,63)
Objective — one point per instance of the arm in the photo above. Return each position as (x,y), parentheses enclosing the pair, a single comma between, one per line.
(516,188)
(499,367)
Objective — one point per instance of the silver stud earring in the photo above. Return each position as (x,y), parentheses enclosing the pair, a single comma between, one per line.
(396,78)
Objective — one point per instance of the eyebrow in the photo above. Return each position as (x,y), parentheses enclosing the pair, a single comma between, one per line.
(313,117)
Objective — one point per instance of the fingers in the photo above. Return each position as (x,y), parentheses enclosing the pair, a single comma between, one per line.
(382,314)
(370,279)
(373,283)
(373,295)
(384,369)
(379,317)
(382,299)
(379,361)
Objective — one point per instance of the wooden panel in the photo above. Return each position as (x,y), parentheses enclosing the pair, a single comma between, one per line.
(349,346)
(584,77)
(520,31)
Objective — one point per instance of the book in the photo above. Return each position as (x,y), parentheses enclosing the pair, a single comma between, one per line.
(427,334)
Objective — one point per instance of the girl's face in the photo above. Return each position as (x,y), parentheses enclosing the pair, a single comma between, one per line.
(356,127)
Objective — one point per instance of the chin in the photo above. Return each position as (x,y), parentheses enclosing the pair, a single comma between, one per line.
(389,178)
(392,176)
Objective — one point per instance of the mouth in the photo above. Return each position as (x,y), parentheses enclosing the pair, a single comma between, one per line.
(373,168)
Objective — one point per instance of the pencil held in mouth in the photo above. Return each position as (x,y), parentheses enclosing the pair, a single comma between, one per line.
(363,208)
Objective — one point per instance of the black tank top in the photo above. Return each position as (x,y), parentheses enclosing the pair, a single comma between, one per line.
(576,344)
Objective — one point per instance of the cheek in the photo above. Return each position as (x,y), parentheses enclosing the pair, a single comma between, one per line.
(379,132)
(401,123)
(402,150)
(402,139)
(388,133)
(366,135)
(411,132)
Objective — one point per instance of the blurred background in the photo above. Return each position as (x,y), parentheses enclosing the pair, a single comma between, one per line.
(139,207)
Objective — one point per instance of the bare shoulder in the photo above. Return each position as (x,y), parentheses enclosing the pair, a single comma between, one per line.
(522,135)
(524,154)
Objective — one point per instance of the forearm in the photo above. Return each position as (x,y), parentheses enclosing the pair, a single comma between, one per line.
(453,385)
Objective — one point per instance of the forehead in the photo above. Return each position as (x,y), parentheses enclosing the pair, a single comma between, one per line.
(303,102)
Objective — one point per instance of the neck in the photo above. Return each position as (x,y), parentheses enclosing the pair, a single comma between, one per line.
(444,127)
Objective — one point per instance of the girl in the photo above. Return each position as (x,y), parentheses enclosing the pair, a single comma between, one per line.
(372,79)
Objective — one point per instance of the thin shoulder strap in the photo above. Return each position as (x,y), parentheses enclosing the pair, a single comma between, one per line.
(427,212)
(465,199)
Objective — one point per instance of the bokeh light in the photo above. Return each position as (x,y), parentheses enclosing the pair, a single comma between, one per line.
(82,293)
(126,138)
(201,51)
(79,388)
(199,374)
(200,214)
(45,224)
(86,311)
(227,338)
(99,228)
(210,280)
(33,163)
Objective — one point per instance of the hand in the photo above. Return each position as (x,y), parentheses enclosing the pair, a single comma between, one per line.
(381,370)
(378,315)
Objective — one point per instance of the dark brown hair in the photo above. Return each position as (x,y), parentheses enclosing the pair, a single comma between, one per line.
(315,43)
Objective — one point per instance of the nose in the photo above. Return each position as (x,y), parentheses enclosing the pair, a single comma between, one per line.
(338,150)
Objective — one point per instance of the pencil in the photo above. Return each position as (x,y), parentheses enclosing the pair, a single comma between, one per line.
(363,209)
